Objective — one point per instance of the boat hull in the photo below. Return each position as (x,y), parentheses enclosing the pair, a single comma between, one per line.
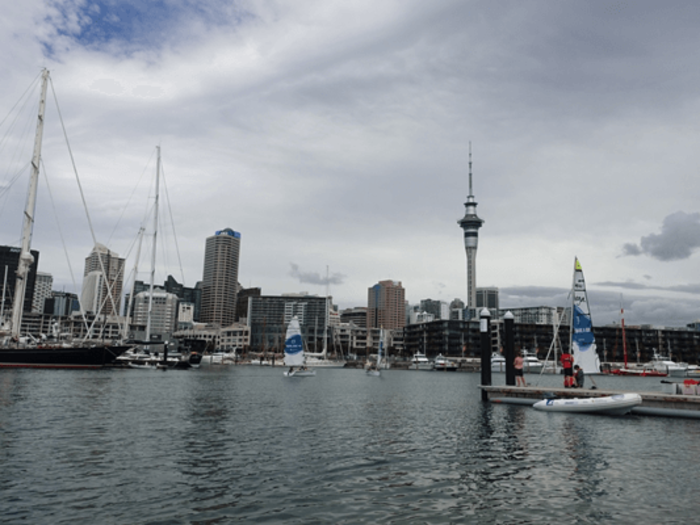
(60,357)
(300,373)
(617,405)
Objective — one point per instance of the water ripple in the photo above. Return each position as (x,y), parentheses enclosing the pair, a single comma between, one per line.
(244,444)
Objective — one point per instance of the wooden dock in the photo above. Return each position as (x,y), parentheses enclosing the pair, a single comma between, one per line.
(653,403)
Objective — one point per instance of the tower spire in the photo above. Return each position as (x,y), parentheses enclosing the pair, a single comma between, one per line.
(471,192)
(471,223)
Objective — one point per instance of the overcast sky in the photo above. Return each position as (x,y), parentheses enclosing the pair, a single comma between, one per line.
(335,136)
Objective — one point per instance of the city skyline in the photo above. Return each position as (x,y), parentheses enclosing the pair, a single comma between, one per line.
(337,136)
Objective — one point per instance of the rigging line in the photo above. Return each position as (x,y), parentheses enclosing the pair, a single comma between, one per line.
(14,179)
(82,196)
(128,202)
(172,223)
(18,152)
(60,234)
(29,88)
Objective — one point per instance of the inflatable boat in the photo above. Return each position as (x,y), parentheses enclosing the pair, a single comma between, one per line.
(616,405)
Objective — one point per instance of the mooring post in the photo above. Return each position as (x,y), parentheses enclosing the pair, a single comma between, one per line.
(485,329)
(509,354)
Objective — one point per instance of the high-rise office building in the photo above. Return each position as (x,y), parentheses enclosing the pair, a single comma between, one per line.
(100,295)
(9,260)
(220,278)
(471,223)
(164,310)
(386,306)
(487,298)
(42,291)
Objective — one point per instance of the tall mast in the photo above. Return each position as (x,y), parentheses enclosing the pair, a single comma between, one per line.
(153,253)
(573,307)
(624,337)
(25,256)
(325,328)
(133,285)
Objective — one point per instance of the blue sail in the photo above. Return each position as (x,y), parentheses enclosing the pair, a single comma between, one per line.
(582,340)
(293,345)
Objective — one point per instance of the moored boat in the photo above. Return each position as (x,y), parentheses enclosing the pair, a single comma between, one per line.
(443,364)
(617,405)
(17,351)
(420,362)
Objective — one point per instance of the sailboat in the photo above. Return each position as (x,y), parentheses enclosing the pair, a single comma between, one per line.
(582,341)
(191,359)
(25,352)
(320,359)
(375,370)
(294,351)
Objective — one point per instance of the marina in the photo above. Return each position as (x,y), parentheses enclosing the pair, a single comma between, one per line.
(242,443)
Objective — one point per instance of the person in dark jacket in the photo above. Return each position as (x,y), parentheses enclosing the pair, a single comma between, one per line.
(578,376)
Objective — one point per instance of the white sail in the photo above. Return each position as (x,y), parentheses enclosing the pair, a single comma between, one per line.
(582,340)
(293,347)
(380,353)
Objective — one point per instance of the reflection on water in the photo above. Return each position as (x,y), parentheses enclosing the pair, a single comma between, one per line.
(246,444)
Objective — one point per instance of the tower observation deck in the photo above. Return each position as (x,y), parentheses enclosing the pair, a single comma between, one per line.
(471,223)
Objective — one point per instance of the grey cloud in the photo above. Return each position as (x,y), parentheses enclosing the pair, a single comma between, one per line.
(631,249)
(315,277)
(679,237)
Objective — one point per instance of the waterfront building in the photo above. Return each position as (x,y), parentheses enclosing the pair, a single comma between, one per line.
(42,291)
(9,260)
(234,338)
(357,316)
(269,315)
(103,280)
(439,309)
(192,296)
(457,310)
(487,298)
(386,305)
(61,304)
(164,309)
(242,302)
(533,314)
(470,224)
(220,277)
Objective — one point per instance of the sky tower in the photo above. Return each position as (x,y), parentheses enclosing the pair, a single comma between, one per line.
(471,223)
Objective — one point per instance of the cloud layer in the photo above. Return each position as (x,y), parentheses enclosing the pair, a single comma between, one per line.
(336,135)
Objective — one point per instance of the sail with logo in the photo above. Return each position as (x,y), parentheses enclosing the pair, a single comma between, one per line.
(294,351)
(582,340)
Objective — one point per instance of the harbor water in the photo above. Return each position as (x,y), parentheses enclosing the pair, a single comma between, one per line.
(244,444)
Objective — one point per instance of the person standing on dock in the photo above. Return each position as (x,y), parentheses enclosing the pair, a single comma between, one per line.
(567,363)
(578,376)
(518,365)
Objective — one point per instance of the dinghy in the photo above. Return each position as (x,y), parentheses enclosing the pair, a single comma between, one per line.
(294,352)
(375,370)
(616,405)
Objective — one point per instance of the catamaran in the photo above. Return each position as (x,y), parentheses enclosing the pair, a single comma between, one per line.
(294,351)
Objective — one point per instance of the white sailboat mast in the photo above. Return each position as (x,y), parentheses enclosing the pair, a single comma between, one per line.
(133,285)
(573,307)
(327,318)
(25,256)
(153,253)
